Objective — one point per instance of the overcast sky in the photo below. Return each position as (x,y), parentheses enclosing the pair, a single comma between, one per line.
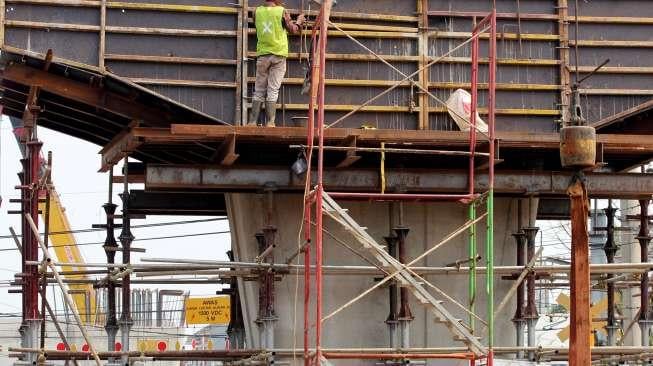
(83,191)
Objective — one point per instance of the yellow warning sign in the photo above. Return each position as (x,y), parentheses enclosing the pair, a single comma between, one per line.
(208,310)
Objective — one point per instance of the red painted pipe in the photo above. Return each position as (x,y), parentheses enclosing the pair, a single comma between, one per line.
(402,196)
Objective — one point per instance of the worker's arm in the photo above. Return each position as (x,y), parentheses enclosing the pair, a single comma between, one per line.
(293,26)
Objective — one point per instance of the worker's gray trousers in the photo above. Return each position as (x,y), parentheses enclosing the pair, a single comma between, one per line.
(270,70)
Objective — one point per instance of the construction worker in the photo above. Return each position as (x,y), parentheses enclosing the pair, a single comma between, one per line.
(273,23)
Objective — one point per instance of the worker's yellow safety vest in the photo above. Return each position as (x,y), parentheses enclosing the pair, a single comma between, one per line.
(272,36)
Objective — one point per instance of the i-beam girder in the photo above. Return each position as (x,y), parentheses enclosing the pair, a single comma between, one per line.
(511,183)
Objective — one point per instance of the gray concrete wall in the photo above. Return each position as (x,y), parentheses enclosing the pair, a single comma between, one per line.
(362,325)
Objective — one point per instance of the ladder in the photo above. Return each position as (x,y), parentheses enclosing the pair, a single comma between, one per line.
(456,327)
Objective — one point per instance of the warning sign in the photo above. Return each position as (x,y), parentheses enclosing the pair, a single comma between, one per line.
(208,310)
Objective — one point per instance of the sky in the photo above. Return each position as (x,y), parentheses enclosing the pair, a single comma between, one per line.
(83,191)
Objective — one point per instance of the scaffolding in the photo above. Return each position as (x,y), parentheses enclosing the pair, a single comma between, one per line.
(319,202)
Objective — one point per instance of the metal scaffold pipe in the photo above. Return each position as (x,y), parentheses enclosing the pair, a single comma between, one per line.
(192,265)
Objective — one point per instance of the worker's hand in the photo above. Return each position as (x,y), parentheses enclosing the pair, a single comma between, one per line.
(301,18)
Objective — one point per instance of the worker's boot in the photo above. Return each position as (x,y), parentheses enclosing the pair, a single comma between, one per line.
(271,112)
(254,113)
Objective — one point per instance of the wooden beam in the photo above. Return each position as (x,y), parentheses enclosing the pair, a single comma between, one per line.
(226,153)
(350,156)
(579,277)
(103,31)
(168,59)
(2,23)
(623,144)
(423,76)
(91,95)
(563,52)
(120,146)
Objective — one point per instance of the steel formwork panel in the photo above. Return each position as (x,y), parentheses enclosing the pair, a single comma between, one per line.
(189,50)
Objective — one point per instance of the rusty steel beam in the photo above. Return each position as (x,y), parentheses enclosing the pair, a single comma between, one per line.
(83,93)
(196,177)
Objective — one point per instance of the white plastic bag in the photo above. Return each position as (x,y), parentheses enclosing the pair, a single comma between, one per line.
(459,106)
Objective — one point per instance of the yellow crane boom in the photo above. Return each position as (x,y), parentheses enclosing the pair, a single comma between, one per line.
(63,242)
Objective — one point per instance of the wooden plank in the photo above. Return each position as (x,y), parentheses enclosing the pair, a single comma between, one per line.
(168,59)
(226,153)
(178,8)
(350,156)
(244,67)
(579,278)
(360,34)
(423,76)
(103,28)
(563,53)
(120,146)
(624,144)
(70,3)
(121,29)
(2,23)
(238,79)
(186,83)
(500,36)
(172,31)
(396,58)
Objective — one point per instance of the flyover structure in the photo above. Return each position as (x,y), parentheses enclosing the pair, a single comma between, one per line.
(164,88)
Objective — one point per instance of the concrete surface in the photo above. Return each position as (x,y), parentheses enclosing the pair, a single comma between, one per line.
(362,325)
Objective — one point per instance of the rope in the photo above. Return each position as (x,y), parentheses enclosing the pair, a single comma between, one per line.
(383,168)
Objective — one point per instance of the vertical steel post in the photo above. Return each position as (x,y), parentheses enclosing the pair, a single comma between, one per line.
(472,264)
(324,26)
(266,316)
(518,319)
(405,314)
(393,317)
(29,329)
(110,246)
(46,240)
(490,201)
(644,238)
(531,314)
(472,149)
(308,197)
(610,249)
(126,239)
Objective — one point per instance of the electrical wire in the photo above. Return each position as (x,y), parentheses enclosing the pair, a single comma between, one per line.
(79,231)
(137,239)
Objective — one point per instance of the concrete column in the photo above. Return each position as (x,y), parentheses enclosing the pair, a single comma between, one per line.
(429,223)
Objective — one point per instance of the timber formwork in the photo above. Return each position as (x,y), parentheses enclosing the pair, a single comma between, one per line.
(191,51)
(196,54)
